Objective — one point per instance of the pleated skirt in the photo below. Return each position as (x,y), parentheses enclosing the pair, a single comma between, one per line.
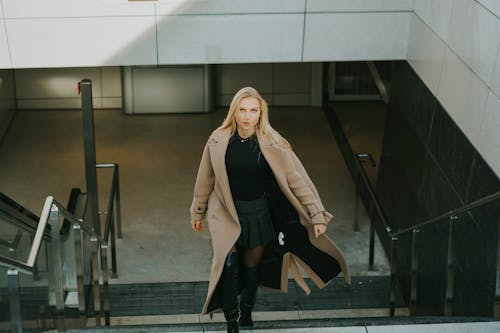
(255,220)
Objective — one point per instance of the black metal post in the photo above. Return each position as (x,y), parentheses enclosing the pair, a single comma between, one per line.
(57,268)
(15,301)
(414,272)
(371,259)
(394,270)
(118,202)
(448,305)
(89,149)
(356,201)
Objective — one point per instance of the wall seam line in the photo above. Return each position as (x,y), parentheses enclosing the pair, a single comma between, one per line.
(156,37)
(454,52)
(487,9)
(6,34)
(303,30)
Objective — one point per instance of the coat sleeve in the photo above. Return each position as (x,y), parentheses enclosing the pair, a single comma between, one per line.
(304,189)
(203,187)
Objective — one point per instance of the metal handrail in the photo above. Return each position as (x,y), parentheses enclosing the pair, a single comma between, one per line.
(474,204)
(19,216)
(53,211)
(110,229)
(415,229)
(114,193)
(11,263)
(28,266)
(373,196)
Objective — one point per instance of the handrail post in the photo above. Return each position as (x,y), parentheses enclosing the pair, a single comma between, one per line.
(114,273)
(89,150)
(448,306)
(371,259)
(95,281)
(57,267)
(105,283)
(414,272)
(118,202)
(77,230)
(356,199)
(15,301)
(394,260)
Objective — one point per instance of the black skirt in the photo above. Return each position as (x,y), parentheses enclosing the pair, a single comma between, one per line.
(255,220)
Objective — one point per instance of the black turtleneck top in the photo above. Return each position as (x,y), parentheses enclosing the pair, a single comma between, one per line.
(247,169)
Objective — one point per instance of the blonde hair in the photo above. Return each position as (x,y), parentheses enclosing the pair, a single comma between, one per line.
(263,127)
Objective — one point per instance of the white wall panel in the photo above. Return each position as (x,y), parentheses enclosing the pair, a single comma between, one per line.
(74,8)
(356,36)
(463,95)
(4,47)
(229,38)
(436,14)
(56,88)
(55,82)
(495,82)
(492,5)
(489,141)
(82,42)
(171,7)
(426,53)
(474,35)
(358,5)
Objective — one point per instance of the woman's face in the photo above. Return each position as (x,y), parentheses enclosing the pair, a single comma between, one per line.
(248,114)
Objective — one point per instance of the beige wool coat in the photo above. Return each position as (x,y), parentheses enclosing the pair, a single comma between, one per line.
(213,200)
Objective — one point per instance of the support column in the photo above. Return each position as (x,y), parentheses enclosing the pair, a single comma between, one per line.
(89,149)
(15,301)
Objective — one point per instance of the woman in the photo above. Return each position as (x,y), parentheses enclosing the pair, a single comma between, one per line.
(261,208)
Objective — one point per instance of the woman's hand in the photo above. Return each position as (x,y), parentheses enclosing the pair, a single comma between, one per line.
(319,229)
(196,226)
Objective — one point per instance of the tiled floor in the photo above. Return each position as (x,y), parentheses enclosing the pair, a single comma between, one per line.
(158,155)
(324,327)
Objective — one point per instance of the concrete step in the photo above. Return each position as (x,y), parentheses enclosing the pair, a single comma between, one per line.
(349,325)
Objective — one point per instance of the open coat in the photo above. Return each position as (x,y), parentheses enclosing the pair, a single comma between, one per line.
(213,200)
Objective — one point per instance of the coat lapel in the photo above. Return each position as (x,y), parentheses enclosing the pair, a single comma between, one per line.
(274,157)
(218,147)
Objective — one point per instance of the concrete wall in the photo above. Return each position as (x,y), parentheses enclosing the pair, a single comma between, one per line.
(94,33)
(57,88)
(454,47)
(7,100)
(428,167)
(295,84)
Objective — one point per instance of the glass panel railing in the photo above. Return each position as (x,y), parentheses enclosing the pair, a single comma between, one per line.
(58,263)
(33,313)
(15,242)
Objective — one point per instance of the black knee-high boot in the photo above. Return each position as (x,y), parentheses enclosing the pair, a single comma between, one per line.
(248,295)
(230,280)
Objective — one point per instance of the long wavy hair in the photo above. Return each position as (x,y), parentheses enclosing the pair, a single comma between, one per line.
(263,127)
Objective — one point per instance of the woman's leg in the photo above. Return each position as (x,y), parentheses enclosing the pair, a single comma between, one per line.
(251,259)
(230,282)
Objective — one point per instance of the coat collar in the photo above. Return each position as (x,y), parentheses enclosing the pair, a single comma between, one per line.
(223,136)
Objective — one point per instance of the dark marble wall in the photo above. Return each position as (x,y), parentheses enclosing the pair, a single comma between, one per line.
(7,100)
(429,167)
